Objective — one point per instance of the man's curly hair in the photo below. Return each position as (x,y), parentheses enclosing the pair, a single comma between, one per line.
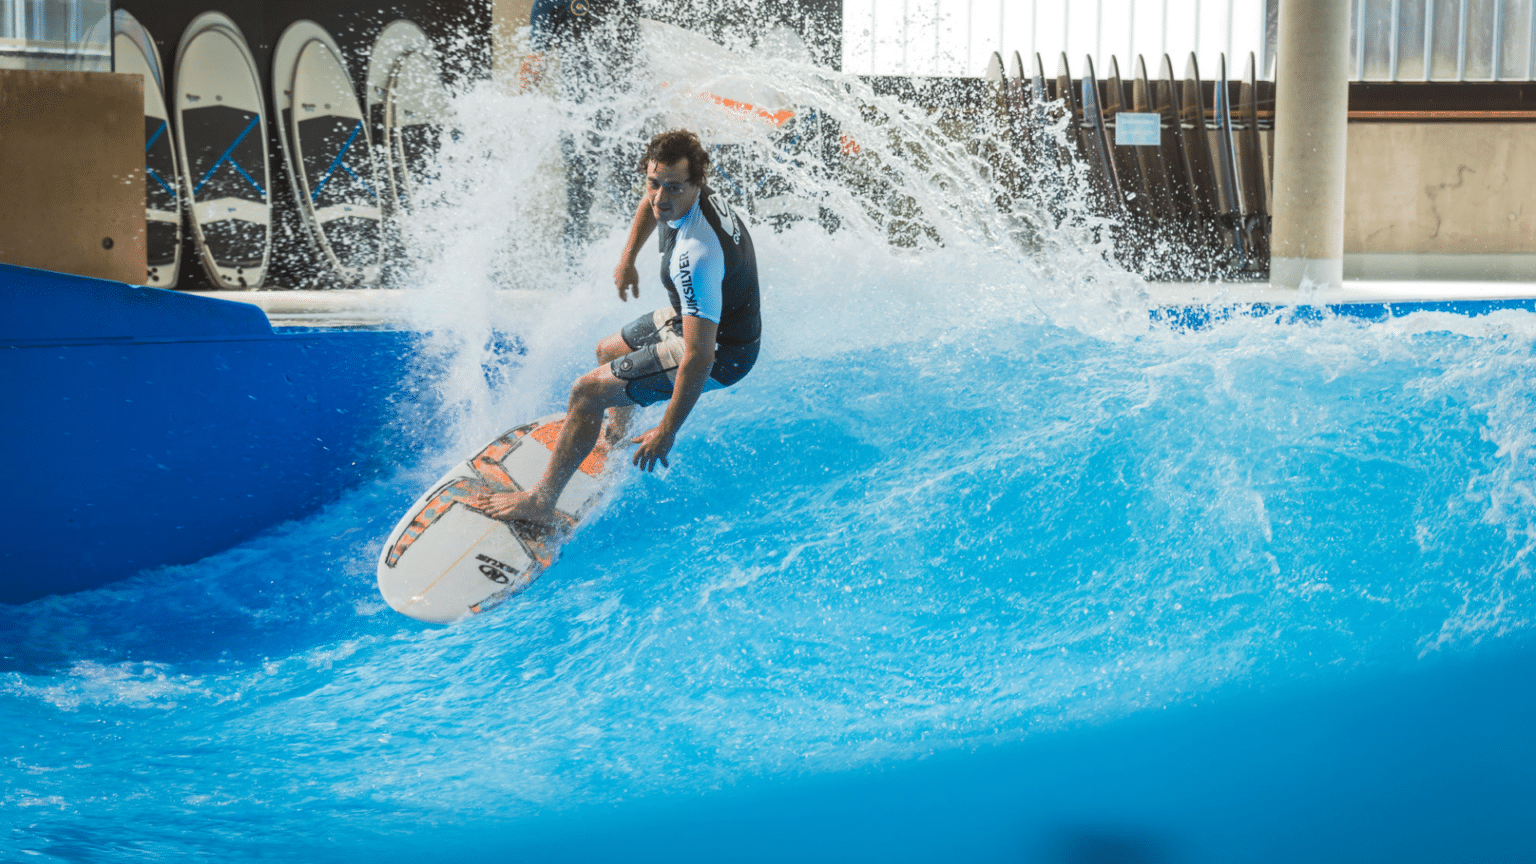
(675,144)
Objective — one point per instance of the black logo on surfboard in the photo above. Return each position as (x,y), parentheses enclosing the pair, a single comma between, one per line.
(495,570)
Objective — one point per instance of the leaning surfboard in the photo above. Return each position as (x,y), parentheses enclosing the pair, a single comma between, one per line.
(222,143)
(328,151)
(446,560)
(408,109)
(134,53)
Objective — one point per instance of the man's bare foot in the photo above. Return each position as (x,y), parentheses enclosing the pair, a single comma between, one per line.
(518,507)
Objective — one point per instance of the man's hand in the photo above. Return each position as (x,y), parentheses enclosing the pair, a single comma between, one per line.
(626,277)
(654,447)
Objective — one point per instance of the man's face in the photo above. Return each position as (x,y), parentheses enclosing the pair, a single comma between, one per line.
(671,194)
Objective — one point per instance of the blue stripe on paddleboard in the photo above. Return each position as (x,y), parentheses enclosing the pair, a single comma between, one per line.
(167,186)
(248,178)
(326,177)
(155,137)
(248,127)
(366,184)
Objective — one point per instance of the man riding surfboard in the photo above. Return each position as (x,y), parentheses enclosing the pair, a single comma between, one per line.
(706,339)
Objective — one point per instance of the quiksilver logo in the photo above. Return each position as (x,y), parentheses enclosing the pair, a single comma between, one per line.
(685,279)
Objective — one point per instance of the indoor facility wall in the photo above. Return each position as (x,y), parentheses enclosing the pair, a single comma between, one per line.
(1441,188)
(72,151)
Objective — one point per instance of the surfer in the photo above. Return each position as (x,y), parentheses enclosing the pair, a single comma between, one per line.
(706,339)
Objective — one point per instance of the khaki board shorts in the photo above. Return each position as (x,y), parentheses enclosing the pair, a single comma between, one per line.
(656,350)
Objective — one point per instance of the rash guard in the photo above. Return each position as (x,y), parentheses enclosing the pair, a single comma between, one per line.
(710,270)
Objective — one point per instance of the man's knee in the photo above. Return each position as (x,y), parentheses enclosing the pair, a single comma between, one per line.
(612,348)
(595,392)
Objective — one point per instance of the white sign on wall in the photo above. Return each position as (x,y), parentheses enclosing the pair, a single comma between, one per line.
(1138,130)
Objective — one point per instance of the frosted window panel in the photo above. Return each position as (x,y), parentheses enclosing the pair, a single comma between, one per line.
(1479,39)
(1377,41)
(1410,41)
(1181,34)
(57,35)
(1514,35)
(1050,24)
(1447,39)
(1115,35)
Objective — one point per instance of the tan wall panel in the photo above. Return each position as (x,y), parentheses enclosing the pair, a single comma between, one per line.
(1456,188)
(506,49)
(72,172)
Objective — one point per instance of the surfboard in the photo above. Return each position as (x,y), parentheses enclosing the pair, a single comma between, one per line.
(445,560)
(1046,113)
(407,109)
(1250,161)
(1096,145)
(997,144)
(134,53)
(1017,90)
(222,146)
(1069,104)
(329,154)
(1151,160)
(1228,183)
(1167,104)
(1127,171)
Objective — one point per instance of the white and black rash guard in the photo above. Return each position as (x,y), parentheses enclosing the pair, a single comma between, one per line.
(710,270)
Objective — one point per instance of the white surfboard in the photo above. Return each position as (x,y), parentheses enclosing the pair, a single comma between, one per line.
(408,108)
(445,560)
(134,53)
(328,152)
(222,145)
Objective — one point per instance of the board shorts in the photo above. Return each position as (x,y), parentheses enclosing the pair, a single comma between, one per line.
(656,350)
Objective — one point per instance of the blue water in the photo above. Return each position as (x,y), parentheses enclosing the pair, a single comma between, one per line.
(977,564)
(858,559)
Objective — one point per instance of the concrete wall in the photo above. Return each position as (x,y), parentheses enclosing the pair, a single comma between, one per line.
(72,173)
(1441,188)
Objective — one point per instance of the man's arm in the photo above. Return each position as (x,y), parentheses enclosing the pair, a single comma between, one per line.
(698,359)
(625,276)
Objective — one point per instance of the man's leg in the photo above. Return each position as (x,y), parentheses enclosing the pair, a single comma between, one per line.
(592,394)
(619,417)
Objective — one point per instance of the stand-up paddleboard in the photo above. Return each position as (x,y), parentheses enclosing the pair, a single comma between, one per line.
(328,152)
(446,560)
(222,145)
(134,53)
(408,109)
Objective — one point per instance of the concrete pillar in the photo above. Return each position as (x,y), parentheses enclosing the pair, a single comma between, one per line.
(1311,117)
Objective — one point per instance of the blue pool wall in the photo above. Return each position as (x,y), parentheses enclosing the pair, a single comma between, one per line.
(145,427)
(149,428)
